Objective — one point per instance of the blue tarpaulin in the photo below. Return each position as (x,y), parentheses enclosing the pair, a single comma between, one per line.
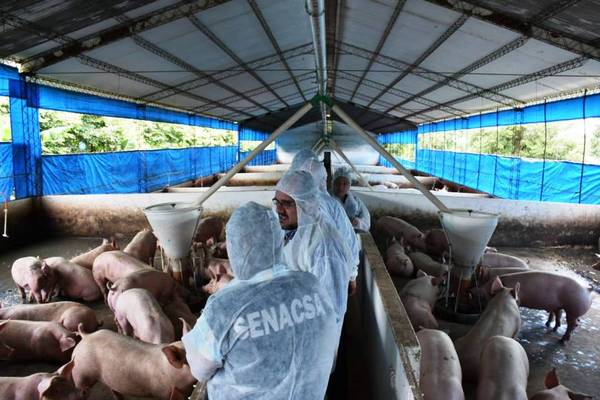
(132,171)
(265,157)
(6,171)
(514,177)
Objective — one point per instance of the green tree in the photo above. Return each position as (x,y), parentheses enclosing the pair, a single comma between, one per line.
(4,122)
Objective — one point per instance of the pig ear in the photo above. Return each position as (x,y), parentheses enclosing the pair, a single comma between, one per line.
(105,241)
(66,370)
(578,396)
(515,290)
(113,243)
(551,380)
(186,326)
(45,385)
(66,343)
(175,355)
(45,268)
(421,273)
(496,286)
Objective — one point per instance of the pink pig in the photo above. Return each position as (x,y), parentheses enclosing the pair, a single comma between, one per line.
(138,314)
(556,391)
(68,313)
(441,377)
(74,281)
(142,246)
(504,370)
(396,261)
(40,341)
(114,265)
(388,227)
(418,297)
(86,259)
(500,317)
(132,368)
(161,285)
(33,274)
(209,228)
(43,386)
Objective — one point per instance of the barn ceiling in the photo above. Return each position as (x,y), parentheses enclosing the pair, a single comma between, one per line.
(390,64)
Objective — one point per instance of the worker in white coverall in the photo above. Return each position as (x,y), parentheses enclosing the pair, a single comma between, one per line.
(268,334)
(306,160)
(311,242)
(355,208)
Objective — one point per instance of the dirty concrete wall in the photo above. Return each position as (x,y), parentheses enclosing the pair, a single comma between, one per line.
(521,223)
(106,215)
(22,223)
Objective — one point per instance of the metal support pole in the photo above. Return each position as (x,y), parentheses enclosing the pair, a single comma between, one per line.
(327,164)
(284,127)
(338,150)
(346,118)
(318,145)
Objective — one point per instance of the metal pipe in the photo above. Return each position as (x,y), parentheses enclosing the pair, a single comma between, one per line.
(338,150)
(316,10)
(284,127)
(346,118)
(317,145)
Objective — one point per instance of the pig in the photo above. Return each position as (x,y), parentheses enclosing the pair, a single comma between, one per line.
(177,310)
(138,314)
(43,386)
(33,274)
(220,250)
(132,368)
(441,377)
(159,284)
(112,266)
(396,261)
(209,227)
(74,281)
(217,283)
(500,317)
(485,274)
(39,341)
(142,246)
(86,260)
(388,227)
(436,243)
(418,297)
(556,391)
(5,351)
(553,293)
(67,313)
(426,264)
(504,370)
(501,260)
(391,185)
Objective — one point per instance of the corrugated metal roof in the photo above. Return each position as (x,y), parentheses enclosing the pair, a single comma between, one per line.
(404,62)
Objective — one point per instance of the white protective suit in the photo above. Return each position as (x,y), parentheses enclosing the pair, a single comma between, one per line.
(316,246)
(330,206)
(355,208)
(268,334)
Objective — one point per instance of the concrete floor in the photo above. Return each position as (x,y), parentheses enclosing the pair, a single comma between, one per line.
(576,362)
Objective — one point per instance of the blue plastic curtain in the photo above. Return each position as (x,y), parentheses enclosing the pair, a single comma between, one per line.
(265,157)
(404,137)
(132,171)
(6,171)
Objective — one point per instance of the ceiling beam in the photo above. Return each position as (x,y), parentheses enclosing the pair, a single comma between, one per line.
(428,74)
(154,49)
(260,90)
(440,40)
(546,72)
(502,51)
(553,9)
(113,69)
(219,43)
(399,93)
(263,22)
(535,30)
(231,72)
(139,24)
(382,39)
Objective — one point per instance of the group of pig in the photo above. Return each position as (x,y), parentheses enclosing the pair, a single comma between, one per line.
(145,359)
(487,355)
